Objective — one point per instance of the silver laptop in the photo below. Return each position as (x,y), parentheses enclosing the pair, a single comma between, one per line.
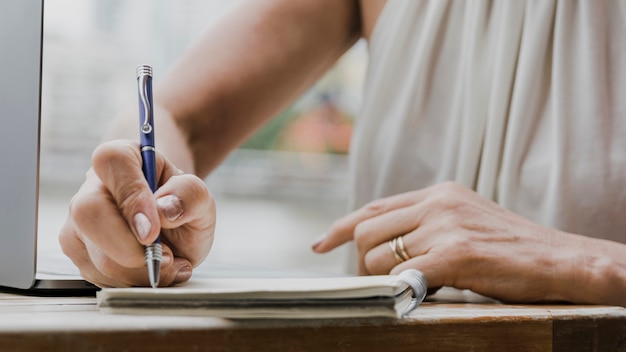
(21,27)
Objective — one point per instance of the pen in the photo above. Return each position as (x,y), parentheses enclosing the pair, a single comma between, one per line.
(153,251)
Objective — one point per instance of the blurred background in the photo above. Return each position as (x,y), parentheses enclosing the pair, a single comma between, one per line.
(275,194)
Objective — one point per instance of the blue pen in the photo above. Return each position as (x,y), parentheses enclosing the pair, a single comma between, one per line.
(146,137)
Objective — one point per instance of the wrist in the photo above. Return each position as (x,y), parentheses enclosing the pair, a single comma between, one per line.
(597,273)
(170,139)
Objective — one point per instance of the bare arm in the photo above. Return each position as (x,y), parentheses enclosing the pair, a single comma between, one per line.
(248,67)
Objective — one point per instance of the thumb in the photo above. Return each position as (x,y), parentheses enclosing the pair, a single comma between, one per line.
(118,165)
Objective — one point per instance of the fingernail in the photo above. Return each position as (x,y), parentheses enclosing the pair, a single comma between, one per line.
(183,274)
(142,226)
(170,206)
(318,242)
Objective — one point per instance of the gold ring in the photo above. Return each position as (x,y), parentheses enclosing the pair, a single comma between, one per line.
(402,250)
(398,250)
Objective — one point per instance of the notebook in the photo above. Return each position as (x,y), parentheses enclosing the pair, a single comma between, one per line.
(21,26)
(392,296)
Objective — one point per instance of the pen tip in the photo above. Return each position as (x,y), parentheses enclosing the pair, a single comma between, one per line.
(153,261)
(154,272)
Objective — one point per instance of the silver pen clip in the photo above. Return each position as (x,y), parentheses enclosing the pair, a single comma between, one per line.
(144,72)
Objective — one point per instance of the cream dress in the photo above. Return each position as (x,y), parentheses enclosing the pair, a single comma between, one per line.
(523,101)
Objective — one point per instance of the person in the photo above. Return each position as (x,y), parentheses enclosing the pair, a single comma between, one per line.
(488,153)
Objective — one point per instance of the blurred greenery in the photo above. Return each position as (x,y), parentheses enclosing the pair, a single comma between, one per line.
(268,136)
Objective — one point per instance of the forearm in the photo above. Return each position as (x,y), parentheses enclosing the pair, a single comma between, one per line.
(249,66)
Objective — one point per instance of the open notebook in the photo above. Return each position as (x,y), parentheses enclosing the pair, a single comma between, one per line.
(289,298)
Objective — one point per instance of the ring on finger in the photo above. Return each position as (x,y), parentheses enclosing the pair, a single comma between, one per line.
(398,249)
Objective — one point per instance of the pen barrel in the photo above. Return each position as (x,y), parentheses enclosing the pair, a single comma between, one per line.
(146,125)
(148,166)
(153,251)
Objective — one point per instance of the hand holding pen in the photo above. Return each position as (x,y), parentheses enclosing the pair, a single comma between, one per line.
(115,214)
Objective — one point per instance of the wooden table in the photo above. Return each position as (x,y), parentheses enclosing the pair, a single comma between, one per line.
(74,324)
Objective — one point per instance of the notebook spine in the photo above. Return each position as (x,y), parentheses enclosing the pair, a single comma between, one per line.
(416,280)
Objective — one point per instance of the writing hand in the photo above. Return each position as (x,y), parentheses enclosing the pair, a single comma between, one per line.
(114,214)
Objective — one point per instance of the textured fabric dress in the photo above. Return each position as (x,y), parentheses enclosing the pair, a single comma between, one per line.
(523,101)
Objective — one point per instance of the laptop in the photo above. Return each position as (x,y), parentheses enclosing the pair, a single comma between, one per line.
(21,35)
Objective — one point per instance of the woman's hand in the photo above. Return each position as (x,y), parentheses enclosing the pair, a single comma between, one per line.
(460,239)
(114,214)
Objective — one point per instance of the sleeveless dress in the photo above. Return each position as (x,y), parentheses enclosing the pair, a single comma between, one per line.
(523,101)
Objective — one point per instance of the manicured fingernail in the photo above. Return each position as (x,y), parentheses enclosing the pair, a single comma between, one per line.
(170,206)
(318,242)
(184,274)
(142,226)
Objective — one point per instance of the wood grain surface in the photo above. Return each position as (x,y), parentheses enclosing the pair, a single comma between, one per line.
(74,324)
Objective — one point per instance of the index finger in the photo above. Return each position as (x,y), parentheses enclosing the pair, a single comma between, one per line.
(342,230)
